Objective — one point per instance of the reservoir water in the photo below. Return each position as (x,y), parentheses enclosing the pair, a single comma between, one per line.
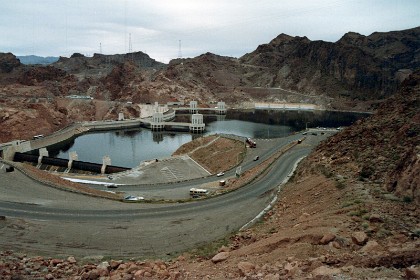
(128,148)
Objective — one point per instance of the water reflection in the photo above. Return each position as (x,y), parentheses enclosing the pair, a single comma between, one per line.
(129,148)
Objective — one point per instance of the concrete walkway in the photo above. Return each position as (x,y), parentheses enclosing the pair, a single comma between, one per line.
(173,169)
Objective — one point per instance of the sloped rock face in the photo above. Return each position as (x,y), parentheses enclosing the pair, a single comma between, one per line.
(384,147)
(8,62)
(356,66)
(35,75)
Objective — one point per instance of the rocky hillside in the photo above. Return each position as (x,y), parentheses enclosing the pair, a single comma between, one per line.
(351,211)
(356,66)
(355,73)
(341,216)
(382,150)
(8,62)
(354,69)
(79,63)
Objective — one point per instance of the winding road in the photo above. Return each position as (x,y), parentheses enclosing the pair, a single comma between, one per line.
(42,220)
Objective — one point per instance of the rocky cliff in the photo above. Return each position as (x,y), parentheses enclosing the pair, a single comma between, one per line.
(382,149)
(353,73)
(8,62)
(356,66)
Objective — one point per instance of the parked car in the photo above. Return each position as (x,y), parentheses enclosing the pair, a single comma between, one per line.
(220,174)
(133,198)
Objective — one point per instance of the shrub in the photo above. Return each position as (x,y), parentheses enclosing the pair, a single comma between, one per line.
(340,184)
(367,171)
(407,199)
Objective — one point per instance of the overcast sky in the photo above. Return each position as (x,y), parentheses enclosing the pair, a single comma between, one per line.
(159,28)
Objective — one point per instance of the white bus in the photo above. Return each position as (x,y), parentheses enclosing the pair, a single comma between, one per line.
(198,192)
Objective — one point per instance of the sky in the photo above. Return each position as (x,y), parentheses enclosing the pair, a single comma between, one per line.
(188,28)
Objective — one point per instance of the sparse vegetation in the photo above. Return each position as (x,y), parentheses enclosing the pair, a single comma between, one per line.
(407,199)
(340,184)
(358,213)
(209,249)
(381,152)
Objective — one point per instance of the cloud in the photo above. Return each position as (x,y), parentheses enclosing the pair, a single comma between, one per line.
(232,28)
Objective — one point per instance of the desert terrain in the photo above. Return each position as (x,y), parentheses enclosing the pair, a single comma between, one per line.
(351,209)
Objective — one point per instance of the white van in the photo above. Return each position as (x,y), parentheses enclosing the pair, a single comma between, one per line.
(198,192)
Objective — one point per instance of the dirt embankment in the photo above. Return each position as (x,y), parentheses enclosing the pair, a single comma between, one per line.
(215,153)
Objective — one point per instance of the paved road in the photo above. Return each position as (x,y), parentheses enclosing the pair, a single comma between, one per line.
(180,190)
(48,221)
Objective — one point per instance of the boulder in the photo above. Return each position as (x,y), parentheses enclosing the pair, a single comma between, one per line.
(291,268)
(245,268)
(224,249)
(359,238)
(54,262)
(335,244)
(412,272)
(139,274)
(327,238)
(103,269)
(115,264)
(371,247)
(222,256)
(375,218)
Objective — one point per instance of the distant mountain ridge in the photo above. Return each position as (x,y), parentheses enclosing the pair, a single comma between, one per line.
(34,59)
(355,66)
(360,70)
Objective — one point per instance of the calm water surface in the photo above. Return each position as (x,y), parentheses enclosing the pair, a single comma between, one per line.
(129,148)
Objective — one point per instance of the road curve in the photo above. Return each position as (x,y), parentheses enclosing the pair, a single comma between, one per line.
(116,229)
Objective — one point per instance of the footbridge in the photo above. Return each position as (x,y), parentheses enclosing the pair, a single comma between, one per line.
(220,109)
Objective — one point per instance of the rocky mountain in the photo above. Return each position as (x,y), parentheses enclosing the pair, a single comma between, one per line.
(354,73)
(356,66)
(34,59)
(382,149)
(351,210)
(354,69)
(79,63)
(8,62)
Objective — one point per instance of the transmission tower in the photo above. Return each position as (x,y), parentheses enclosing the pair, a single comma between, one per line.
(130,46)
(179,50)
